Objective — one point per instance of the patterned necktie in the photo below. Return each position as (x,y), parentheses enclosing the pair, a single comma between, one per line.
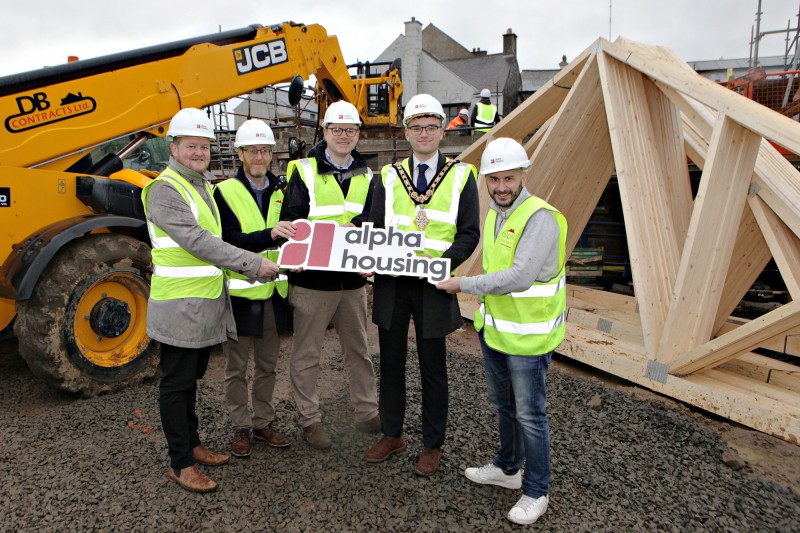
(422,181)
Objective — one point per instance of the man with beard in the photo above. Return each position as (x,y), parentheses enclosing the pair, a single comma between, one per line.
(521,321)
(250,206)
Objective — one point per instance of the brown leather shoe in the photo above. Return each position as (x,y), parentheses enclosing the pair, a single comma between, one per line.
(206,457)
(385,448)
(428,462)
(317,437)
(191,479)
(373,425)
(272,437)
(240,444)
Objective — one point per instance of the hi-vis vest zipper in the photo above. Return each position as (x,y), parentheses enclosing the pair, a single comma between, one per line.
(530,322)
(251,220)
(176,272)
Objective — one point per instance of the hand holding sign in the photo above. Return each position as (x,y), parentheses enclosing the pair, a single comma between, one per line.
(324,245)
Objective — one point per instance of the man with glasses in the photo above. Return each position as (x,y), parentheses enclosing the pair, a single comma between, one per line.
(426,192)
(250,207)
(333,183)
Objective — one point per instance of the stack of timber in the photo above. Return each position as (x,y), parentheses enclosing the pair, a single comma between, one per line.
(641,111)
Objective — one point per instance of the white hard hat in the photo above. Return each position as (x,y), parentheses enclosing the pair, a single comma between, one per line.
(464,112)
(503,154)
(191,122)
(341,112)
(253,132)
(421,105)
(485,93)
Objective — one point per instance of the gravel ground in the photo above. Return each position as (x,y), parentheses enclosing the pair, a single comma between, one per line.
(620,463)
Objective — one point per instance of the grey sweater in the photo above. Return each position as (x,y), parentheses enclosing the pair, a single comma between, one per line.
(536,258)
(193,322)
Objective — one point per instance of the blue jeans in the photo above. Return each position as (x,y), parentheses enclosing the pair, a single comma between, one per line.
(516,385)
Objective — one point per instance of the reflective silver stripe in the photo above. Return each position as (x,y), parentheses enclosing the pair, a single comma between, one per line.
(159,242)
(534,328)
(325,210)
(439,216)
(541,291)
(435,244)
(282,277)
(311,185)
(186,272)
(241,284)
(389,215)
(353,207)
(458,182)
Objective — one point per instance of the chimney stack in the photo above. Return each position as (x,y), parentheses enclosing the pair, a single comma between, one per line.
(510,43)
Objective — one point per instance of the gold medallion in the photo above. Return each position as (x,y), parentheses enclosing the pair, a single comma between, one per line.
(422,218)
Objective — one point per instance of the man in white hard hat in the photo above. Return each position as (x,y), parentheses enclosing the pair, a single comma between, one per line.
(431,193)
(189,310)
(250,207)
(484,113)
(333,183)
(521,321)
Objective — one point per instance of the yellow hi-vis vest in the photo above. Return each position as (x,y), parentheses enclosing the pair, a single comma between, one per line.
(441,210)
(484,116)
(533,321)
(251,220)
(176,272)
(326,199)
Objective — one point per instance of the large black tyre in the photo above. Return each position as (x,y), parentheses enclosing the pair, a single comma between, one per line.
(84,328)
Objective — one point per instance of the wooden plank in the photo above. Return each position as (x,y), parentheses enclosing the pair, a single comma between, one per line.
(750,252)
(784,245)
(652,240)
(765,370)
(534,111)
(603,321)
(786,397)
(602,299)
(667,127)
(628,361)
(779,186)
(707,254)
(754,116)
(573,163)
(741,340)
(786,343)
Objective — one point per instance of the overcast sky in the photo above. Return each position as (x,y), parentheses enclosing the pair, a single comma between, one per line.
(36,33)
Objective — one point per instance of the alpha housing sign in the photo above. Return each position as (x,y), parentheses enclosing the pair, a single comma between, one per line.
(324,245)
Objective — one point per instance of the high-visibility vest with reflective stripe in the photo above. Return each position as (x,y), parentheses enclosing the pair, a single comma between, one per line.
(441,210)
(326,200)
(176,272)
(533,321)
(251,220)
(484,116)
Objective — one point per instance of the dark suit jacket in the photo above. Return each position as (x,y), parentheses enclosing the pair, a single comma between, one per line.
(442,311)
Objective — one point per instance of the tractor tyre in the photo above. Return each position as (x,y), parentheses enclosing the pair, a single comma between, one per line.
(84,328)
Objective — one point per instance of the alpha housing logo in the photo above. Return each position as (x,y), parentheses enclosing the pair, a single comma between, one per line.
(324,245)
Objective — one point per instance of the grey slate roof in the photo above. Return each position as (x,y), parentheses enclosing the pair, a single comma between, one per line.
(532,80)
(489,71)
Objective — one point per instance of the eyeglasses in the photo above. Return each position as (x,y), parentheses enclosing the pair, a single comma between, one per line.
(336,132)
(255,151)
(430,128)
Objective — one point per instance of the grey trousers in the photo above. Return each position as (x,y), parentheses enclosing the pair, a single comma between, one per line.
(265,352)
(313,311)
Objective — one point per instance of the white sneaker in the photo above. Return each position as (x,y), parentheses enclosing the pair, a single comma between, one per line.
(528,510)
(492,475)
